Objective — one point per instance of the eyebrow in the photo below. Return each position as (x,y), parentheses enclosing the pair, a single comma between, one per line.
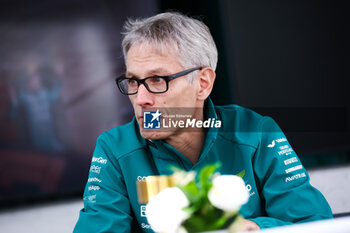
(158,71)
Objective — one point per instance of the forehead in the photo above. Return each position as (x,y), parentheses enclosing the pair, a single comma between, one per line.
(144,57)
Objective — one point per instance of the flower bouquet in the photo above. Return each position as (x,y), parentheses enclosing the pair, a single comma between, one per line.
(200,202)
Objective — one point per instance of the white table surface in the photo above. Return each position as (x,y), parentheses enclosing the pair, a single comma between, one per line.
(337,225)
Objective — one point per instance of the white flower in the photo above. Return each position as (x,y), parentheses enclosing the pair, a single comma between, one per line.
(164,210)
(228,193)
(182,178)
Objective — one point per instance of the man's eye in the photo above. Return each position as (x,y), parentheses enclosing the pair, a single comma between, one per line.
(156,80)
(132,82)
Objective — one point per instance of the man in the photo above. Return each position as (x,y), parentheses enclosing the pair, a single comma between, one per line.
(170,64)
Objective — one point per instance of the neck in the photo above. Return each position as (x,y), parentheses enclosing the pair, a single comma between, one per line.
(189,143)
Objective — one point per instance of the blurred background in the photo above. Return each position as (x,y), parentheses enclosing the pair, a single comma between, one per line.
(59,58)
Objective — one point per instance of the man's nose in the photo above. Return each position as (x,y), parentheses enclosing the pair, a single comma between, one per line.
(144,98)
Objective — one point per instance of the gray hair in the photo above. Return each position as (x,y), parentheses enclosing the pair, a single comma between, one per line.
(190,38)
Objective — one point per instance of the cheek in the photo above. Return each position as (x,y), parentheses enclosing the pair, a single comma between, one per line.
(179,94)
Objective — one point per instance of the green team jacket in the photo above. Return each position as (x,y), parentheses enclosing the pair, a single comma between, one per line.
(280,192)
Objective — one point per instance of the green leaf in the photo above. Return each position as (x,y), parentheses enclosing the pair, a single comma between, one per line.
(206,220)
(205,176)
(195,224)
(241,174)
(192,192)
(218,224)
(191,209)
(192,188)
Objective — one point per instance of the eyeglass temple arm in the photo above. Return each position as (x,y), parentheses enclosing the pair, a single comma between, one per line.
(182,73)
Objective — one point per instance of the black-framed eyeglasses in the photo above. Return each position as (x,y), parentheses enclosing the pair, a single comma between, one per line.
(154,84)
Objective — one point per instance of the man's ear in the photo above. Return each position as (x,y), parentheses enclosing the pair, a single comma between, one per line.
(206,77)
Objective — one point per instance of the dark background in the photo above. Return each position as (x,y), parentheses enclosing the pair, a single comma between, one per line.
(287,60)
(283,59)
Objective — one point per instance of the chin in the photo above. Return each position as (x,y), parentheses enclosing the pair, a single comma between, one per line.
(153,135)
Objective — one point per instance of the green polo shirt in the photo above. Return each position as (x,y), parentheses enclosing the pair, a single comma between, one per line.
(278,184)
